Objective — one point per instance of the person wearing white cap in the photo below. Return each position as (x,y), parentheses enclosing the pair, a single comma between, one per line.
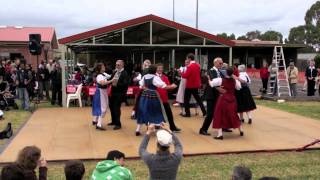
(163,164)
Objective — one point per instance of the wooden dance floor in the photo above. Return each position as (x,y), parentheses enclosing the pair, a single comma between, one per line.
(65,134)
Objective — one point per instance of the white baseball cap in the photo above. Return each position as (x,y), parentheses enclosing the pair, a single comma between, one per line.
(164,138)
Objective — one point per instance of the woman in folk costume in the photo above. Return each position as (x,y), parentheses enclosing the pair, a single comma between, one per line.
(225,113)
(244,98)
(150,109)
(182,87)
(145,66)
(100,98)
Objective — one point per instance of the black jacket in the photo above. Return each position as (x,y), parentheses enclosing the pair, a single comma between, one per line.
(122,86)
(314,73)
(212,93)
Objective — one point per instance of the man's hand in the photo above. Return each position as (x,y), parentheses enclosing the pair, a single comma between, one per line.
(221,90)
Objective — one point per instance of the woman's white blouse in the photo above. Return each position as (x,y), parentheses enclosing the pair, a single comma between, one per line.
(218,81)
(156,81)
(243,76)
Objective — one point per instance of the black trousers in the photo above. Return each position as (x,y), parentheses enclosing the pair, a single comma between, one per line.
(167,108)
(211,105)
(311,89)
(115,108)
(265,84)
(56,92)
(187,96)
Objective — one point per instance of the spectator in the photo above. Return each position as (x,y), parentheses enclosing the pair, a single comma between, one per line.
(318,80)
(12,172)
(31,85)
(112,168)
(293,73)
(22,82)
(311,74)
(264,75)
(43,80)
(50,66)
(162,165)
(56,85)
(74,170)
(241,173)
(28,160)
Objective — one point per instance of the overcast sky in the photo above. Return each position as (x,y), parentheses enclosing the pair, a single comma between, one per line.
(215,16)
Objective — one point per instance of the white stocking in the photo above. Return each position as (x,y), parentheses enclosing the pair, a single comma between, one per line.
(219,132)
(99,124)
(138,127)
(95,118)
(249,115)
(241,115)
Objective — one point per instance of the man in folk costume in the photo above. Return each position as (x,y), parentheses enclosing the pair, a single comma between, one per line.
(212,94)
(192,75)
(119,87)
(164,98)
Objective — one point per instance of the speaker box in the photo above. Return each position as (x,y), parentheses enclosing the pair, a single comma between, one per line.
(35,44)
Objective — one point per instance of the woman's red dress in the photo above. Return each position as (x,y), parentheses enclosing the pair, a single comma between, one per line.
(225,113)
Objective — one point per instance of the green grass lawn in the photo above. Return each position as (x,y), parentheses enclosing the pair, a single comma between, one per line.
(286,165)
(305,108)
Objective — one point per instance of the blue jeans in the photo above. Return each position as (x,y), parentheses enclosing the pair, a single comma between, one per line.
(24,97)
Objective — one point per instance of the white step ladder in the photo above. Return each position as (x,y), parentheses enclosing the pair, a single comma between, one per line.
(281,82)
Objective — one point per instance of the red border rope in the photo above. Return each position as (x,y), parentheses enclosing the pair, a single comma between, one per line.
(308,145)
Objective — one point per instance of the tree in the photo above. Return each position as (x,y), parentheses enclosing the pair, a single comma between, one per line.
(253,35)
(225,36)
(297,35)
(317,61)
(271,36)
(312,26)
(243,37)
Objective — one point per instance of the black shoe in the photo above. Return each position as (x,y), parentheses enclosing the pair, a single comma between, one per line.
(111,124)
(241,133)
(204,114)
(176,130)
(219,137)
(117,128)
(9,133)
(94,123)
(205,133)
(242,120)
(226,130)
(100,128)
(250,121)
(138,133)
(185,115)
(133,117)
(8,128)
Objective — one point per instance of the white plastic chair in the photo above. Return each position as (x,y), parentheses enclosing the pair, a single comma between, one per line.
(76,95)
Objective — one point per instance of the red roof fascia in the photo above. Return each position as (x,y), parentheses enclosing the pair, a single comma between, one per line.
(141,20)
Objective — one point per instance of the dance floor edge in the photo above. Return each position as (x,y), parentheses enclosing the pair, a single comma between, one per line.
(65,134)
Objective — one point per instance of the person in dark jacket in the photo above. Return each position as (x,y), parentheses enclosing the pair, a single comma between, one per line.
(12,172)
(119,87)
(28,160)
(311,74)
(56,80)
(43,77)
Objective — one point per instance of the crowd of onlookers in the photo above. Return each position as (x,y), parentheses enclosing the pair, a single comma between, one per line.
(21,80)
(162,165)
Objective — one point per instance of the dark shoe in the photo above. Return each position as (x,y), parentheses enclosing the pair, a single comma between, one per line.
(205,133)
(242,120)
(138,133)
(176,130)
(185,115)
(204,114)
(94,123)
(9,134)
(218,137)
(241,133)
(111,124)
(133,117)
(117,128)
(226,130)
(250,121)
(8,128)
(100,128)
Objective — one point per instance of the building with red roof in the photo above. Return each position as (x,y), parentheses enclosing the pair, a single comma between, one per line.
(14,42)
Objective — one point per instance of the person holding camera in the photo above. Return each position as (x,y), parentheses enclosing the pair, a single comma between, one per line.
(163,164)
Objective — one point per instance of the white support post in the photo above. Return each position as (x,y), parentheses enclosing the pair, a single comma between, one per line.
(93,40)
(204,41)
(178,37)
(150,32)
(154,57)
(141,58)
(196,55)
(173,58)
(63,78)
(230,56)
(122,36)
